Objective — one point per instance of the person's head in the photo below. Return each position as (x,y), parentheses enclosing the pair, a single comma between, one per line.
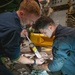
(28,12)
(45,25)
(35,0)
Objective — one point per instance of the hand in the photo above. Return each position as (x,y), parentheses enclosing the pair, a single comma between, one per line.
(35,67)
(24,33)
(41,67)
(40,61)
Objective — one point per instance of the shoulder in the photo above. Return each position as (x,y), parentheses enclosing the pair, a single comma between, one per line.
(61,43)
(6,14)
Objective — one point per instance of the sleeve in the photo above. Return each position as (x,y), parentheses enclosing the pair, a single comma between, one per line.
(61,52)
(11,44)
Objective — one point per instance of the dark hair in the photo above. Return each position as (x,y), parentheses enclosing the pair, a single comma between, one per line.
(42,22)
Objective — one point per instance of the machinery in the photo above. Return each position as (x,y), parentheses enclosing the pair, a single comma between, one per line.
(21,69)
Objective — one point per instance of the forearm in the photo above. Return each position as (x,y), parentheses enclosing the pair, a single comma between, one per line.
(25,60)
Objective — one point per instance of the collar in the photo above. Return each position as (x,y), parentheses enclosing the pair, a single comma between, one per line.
(15,15)
(16,18)
(58,29)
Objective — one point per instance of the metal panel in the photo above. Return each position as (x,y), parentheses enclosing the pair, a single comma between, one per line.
(59,17)
(58,2)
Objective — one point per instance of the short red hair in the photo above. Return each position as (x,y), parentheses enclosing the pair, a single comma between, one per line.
(30,6)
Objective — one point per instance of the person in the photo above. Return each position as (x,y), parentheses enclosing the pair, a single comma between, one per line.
(11,25)
(63,48)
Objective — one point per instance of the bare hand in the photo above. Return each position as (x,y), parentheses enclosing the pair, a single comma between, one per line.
(40,61)
(42,67)
(24,33)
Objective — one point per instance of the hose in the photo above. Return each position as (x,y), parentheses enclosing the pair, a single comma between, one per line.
(6,4)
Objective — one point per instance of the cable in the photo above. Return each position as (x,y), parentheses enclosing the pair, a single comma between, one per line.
(6,4)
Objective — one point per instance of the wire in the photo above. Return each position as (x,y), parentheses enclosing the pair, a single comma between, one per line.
(28,39)
(6,4)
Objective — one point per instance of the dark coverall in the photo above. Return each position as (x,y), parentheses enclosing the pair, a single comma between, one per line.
(10,29)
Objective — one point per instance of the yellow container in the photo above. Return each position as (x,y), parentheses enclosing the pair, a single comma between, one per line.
(41,40)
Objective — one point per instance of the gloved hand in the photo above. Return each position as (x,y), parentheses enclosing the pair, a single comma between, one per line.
(39,61)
